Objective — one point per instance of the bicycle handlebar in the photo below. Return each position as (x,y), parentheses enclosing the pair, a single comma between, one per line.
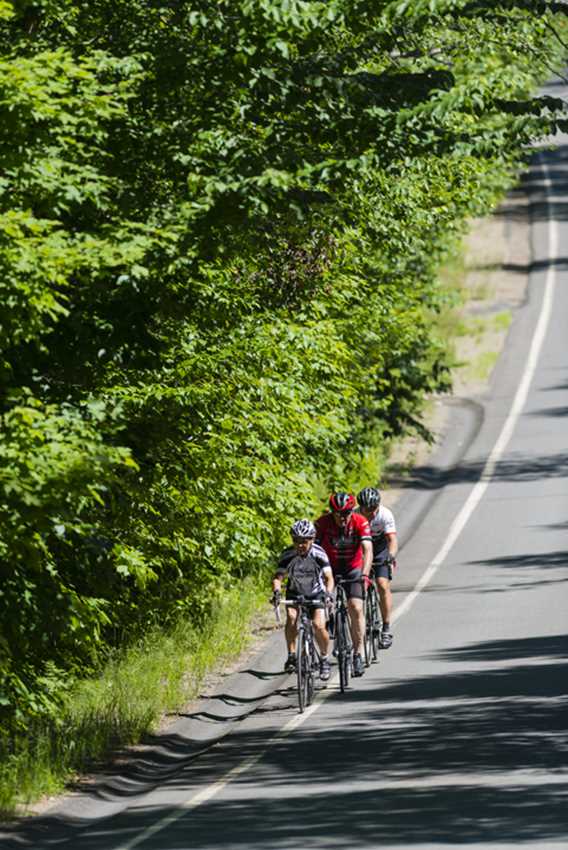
(299,600)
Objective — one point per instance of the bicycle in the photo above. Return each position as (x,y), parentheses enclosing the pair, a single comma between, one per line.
(343,642)
(307,655)
(372,620)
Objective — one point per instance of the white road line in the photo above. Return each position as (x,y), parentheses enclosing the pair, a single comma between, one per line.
(506,432)
(210,791)
(197,799)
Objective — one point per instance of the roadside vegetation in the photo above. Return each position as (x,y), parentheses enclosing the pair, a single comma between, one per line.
(159,673)
(221,225)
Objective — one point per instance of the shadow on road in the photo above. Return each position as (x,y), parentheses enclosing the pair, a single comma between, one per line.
(556,412)
(539,190)
(464,757)
(560,263)
(513,468)
(558,558)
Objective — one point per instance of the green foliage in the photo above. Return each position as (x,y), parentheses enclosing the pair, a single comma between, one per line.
(220,225)
(162,671)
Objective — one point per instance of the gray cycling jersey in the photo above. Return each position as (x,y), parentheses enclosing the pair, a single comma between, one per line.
(316,557)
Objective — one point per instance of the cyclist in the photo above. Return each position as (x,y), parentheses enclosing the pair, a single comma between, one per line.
(309,574)
(346,538)
(385,548)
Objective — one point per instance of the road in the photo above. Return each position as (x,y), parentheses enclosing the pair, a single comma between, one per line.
(458,736)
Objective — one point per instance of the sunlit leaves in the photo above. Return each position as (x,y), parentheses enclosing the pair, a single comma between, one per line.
(220,225)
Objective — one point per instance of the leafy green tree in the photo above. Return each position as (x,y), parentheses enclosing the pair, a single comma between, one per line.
(220,227)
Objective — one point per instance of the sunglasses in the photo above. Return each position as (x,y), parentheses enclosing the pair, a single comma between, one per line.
(302,539)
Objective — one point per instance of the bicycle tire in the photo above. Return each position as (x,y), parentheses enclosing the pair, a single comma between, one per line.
(376,623)
(302,670)
(312,664)
(343,651)
(369,626)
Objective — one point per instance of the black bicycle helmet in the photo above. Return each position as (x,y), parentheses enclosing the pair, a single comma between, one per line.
(369,497)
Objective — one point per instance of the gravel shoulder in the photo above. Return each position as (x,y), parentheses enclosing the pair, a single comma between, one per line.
(494,284)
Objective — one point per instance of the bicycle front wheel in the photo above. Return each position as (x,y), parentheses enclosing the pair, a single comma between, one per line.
(313,666)
(343,651)
(375,623)
(303,671)
(369,625)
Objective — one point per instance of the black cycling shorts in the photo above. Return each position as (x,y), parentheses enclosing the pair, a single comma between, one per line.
(353,590)
(383,569)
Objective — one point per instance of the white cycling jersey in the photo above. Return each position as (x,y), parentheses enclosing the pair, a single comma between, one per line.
(382,523)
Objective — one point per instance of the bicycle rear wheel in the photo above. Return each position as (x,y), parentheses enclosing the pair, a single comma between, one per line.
(343,650)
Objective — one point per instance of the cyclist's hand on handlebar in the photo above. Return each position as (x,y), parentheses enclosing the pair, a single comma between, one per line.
(367,581)
(391,561)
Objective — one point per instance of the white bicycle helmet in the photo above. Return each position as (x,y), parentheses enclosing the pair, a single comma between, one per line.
(303,528)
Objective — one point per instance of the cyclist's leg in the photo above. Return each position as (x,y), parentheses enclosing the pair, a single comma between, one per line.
(385,603)
(356,611)
(320,630)
(385,598)
(322,639)
(291,629)
(357,620)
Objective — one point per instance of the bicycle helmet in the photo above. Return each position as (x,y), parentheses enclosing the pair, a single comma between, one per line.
(303,528)
(369,497)
(341,502)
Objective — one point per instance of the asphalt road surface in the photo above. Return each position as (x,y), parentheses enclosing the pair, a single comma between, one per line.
(458,736)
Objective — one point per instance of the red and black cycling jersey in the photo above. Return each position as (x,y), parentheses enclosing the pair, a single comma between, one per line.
(343,545)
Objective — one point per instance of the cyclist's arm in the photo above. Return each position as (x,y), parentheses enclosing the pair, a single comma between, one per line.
(367,556)
(392,543)
(281,572)
(328,580)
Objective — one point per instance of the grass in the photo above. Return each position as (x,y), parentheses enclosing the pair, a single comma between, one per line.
(483,365)
(481,291)
(501,321)
(163,672)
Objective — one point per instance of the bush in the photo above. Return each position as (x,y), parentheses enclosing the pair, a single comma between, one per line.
(220,225)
